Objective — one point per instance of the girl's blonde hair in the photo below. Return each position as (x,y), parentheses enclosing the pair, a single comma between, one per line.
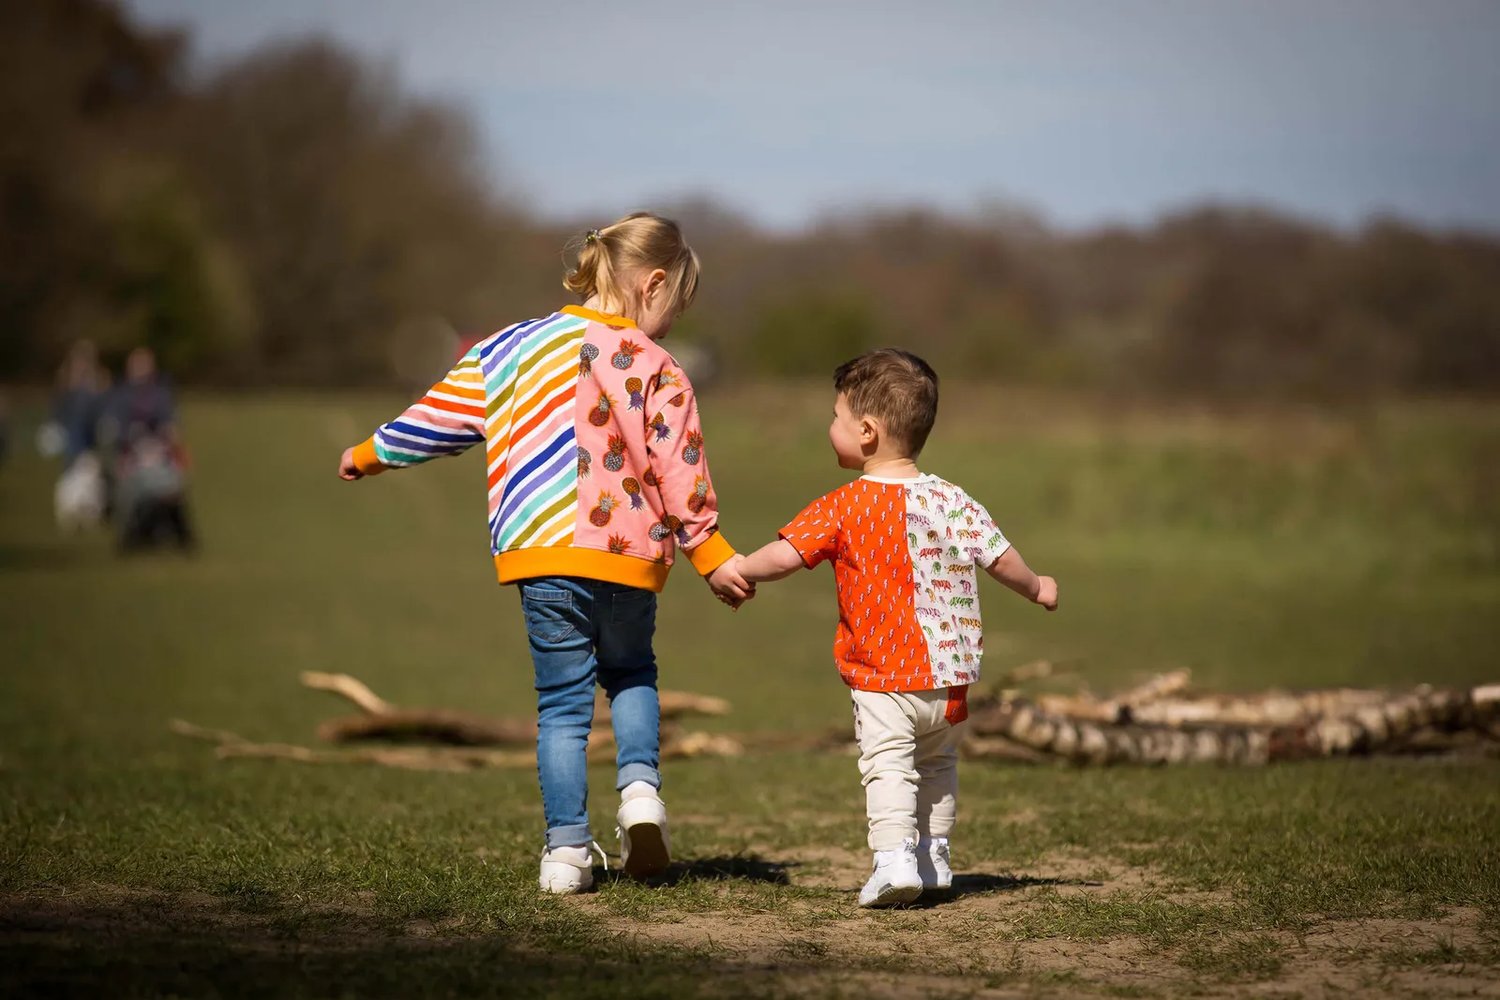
(608,257)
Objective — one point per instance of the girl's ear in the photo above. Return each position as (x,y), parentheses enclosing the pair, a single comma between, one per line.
(655,282)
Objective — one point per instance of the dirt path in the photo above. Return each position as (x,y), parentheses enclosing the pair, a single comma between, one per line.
(979,943)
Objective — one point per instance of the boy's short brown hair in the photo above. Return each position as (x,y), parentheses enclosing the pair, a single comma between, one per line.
(896,387)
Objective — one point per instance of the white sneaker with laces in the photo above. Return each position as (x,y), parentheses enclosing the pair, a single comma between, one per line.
(895,878)
(645,844)
(933,864)
(567,870)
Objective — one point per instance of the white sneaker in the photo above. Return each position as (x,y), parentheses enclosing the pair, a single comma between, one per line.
(932,863)
(567,870)
(645,845)
(895,878)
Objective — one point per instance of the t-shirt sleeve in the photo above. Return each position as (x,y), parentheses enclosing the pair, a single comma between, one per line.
(985,543)
(815,532)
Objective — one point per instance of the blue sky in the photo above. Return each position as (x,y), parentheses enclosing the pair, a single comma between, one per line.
(1085,110)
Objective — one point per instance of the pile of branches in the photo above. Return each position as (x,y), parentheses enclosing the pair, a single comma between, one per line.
(1163,722)
(443,739)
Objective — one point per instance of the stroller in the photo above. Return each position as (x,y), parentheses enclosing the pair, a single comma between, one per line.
(149,504)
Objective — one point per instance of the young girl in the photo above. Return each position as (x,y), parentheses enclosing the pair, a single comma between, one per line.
(596,474)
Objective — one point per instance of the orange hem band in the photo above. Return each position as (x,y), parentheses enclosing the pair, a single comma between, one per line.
(562,560)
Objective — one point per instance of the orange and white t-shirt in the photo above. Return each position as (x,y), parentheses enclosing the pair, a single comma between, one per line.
(904,552)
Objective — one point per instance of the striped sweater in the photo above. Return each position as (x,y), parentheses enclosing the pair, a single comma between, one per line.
(593,445)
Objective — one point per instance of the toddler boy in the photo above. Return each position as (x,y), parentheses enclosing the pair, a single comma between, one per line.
(904,546)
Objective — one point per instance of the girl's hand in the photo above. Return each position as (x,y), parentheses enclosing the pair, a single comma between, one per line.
(347,469)
(1046,592)
(728,585)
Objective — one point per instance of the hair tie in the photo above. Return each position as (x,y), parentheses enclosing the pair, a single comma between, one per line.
(591,236)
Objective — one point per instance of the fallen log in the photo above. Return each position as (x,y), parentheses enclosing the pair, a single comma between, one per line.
(1000,748)
(384,721)
(429,725)
(449,758)
(1388,723)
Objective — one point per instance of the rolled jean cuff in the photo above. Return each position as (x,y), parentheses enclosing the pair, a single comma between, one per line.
(569,836)
(638,772)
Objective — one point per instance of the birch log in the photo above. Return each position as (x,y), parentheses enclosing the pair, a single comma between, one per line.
(1370,723)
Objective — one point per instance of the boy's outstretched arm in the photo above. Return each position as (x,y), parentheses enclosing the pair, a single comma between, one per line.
(1011,570)
(449,420)
(771,562)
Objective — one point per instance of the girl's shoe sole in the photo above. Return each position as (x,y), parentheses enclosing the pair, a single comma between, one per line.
(648,851)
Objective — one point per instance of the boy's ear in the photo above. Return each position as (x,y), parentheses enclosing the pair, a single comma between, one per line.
(869,430)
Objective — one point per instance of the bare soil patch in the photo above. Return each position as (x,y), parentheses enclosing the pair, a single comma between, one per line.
(971,942)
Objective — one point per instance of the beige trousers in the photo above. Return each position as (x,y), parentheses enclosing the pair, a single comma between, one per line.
(908,759)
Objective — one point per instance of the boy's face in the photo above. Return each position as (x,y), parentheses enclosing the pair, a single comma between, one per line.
(852,437)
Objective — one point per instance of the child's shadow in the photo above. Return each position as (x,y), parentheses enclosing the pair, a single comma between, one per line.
(723,869)
(978,883)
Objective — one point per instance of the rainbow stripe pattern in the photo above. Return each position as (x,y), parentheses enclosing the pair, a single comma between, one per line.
(521,383)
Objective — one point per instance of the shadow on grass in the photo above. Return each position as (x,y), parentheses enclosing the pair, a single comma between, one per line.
(978,883)
(107,949)
(49,558)
(725,868)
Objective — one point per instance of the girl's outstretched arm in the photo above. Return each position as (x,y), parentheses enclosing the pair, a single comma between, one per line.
(771,562)
(449,420)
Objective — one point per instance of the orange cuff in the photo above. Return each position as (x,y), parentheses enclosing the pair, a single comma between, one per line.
(710,554)
(366,460)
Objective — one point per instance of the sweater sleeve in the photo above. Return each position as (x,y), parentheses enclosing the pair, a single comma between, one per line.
(674,442)
(449,420)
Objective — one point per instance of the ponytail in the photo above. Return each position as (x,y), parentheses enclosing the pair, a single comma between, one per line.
(606,258)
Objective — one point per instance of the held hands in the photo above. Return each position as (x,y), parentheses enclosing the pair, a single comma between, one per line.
(347,469)
(728,585)
(1046,592)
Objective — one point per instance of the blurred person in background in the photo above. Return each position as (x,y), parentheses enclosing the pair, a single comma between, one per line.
(81,491)
(77,404)
(149,462)
(142,404)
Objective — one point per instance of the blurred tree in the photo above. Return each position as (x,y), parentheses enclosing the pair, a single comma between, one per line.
(810,335)
(79,80)
(181,287)
(352,207)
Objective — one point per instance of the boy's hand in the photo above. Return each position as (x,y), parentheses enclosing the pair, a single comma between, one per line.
(728,585)
(1046,592)
(347,469)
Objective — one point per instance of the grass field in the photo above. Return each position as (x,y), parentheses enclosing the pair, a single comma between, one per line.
(1289,549)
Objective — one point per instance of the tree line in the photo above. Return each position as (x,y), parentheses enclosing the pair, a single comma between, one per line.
(289,218)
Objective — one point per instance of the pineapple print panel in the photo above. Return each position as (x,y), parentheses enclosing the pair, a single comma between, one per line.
(619,506)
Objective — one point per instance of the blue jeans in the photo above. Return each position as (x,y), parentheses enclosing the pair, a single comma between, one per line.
(581,631)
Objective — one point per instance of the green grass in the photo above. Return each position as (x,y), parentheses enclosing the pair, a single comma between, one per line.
(1295,549)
